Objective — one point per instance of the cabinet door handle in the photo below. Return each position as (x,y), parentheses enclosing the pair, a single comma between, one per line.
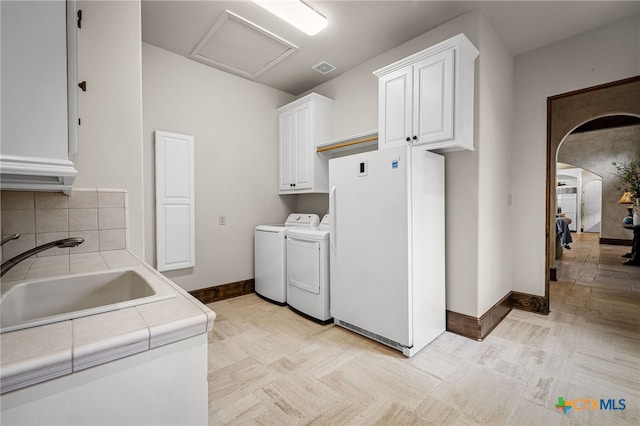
(83,86)
(415,138)
(408,139)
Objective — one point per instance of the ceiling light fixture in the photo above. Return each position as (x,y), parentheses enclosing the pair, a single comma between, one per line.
(296,13)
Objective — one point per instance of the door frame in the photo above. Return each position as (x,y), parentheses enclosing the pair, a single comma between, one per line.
(565,112)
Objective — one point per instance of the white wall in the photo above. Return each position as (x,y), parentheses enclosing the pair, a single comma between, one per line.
(495,215)
(110,137)
(606,54)
(235,125)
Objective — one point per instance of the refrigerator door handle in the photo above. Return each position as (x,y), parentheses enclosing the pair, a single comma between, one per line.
(332,215)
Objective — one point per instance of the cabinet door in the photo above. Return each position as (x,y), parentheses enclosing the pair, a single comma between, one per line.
(394,119)
(304,148)
(38,100)
(287,149)
(433,102)
(34,80)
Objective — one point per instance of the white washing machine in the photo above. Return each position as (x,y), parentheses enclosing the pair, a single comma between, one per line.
(271,256)
(308,271)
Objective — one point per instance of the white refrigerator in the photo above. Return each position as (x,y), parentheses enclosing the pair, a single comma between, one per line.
(387,257)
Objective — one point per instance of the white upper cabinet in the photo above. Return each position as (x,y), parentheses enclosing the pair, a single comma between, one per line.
(39,95)
(303,125)
(427,98)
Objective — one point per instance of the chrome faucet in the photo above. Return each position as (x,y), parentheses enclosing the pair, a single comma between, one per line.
(9,238)
(63,243)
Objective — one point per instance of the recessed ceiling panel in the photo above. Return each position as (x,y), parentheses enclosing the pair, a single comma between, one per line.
(237,45)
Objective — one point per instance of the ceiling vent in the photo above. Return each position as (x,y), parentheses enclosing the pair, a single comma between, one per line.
(239,46)
(324,67)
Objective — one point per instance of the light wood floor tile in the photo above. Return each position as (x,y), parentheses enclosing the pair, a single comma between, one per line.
(270,366)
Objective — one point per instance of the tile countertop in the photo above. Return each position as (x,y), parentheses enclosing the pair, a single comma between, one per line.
(37,354)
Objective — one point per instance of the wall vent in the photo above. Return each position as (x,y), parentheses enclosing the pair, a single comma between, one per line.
(385,341)
(323,67)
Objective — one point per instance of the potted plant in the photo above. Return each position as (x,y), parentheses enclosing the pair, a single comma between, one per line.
(628,176)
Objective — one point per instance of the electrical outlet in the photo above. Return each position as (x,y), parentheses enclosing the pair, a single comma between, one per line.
(222,220)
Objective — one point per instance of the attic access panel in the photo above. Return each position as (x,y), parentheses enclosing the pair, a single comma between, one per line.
(239,46)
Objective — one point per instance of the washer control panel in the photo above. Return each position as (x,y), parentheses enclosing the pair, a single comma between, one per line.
(302,219)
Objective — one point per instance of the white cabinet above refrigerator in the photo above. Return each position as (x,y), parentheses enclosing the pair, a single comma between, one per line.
(428,98)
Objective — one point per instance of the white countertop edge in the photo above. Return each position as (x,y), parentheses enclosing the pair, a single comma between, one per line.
(31,370)
(26,374)
(93,359)
(211,316)
(165,334)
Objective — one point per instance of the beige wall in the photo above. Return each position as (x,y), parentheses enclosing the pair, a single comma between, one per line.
(477,183)
(235,125)
(110,137)
(600,56)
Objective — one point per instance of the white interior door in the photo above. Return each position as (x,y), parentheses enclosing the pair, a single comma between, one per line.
(175,214)
(592,199)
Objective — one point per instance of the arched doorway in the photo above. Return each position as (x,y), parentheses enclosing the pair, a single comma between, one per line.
(585,168)
(566,113)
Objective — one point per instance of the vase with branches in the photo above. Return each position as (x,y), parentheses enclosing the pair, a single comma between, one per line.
(628,176)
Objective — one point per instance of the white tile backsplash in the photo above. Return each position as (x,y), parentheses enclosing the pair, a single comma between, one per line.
(83,199)
(51,200)
(112,239)
(111,198)
(83,219)
(18,200)
(18,221)
(95,214)
(52,220)
(111,218)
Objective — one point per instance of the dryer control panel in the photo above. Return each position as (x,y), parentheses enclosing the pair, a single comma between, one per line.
(302,219)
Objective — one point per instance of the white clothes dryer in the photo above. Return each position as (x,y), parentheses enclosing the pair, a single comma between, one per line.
(270,253)
(308,271)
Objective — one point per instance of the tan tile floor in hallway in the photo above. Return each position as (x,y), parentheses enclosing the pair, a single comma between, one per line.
(269,366)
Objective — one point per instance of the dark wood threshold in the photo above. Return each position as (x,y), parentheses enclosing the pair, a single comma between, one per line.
(615,241)
(224,291)
(479,328)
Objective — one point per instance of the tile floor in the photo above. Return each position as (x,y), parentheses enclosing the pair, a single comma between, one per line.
(269,366)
